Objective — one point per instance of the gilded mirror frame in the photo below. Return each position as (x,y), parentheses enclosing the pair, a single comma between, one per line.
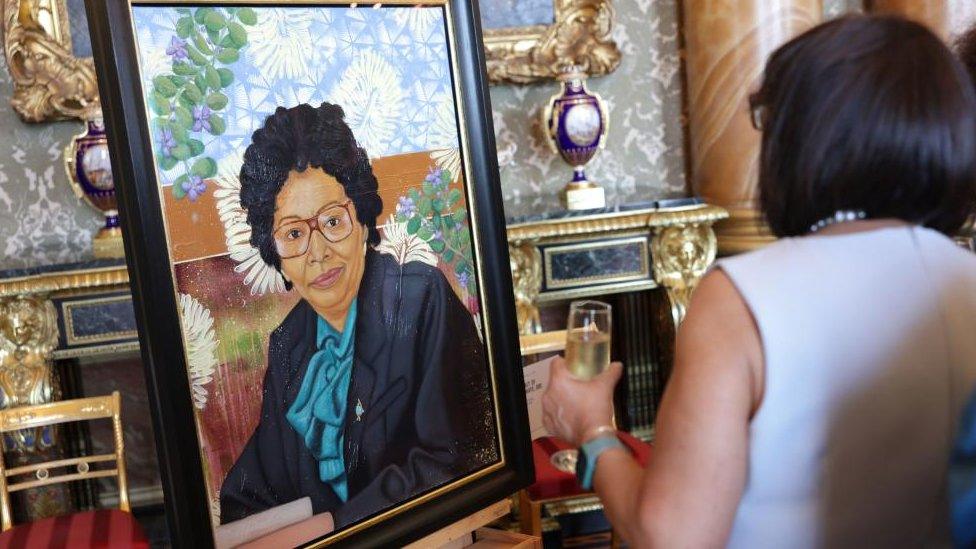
(579,35)
(50,83)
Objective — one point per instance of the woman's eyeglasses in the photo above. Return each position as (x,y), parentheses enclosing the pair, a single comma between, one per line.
(334,222)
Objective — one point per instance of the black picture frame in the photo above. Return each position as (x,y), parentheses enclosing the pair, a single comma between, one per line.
(186,505)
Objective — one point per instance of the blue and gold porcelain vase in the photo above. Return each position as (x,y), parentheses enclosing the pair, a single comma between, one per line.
(90,173)
(575,122)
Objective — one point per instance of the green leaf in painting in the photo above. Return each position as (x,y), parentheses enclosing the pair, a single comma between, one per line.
(413,225)
(183,116)
(166,162)
(227,42)
(196,147)
(212,78)
(214,21)
(204,167)
(181,151)
(200,15)
(247,16)
(228,56)
(184,102)
(184,11)
(198,58)
(460,216)
(214,36)
(424,233)
(226,77)
(159,104)
(184,26)
(428,188)
(237,34)
(437,245)
(193,93)
(438,206)
(217,124)
(184,69)
(201,43)
(178,191)
(424,207)
(178,80)
(165,86)
(453,197)
(201,81)
(217,101)
(448,255)
(414,195)
(446,177)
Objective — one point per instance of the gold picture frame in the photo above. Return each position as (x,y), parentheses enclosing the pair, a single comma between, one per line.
(580,35)
(50,82)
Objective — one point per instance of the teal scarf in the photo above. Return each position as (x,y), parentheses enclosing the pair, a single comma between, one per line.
(319,410)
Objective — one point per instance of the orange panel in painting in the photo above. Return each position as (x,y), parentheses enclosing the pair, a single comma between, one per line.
(195,229)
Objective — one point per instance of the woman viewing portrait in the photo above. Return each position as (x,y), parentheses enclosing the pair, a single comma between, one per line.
(376,387)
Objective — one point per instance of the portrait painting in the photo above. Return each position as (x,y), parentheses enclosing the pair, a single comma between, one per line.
(315,186)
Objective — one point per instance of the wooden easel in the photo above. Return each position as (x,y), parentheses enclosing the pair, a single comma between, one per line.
(459,534)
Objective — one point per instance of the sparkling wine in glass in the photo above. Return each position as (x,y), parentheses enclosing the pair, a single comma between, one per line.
(588,338)
(587,355)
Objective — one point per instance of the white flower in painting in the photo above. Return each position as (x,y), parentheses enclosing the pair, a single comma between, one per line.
(281,44)
(443,139)
(201,347)
(261,277)
(405,247)
(418,20)
(371,94)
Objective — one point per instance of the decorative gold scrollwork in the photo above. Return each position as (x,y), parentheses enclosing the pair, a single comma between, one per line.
(50,83)
(681,254)
(526,264)
(28,336)
(580,35)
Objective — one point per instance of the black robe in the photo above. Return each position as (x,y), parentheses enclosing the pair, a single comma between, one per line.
(420,371)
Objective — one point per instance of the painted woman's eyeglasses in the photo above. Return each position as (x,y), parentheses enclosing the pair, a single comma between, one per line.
(334,222)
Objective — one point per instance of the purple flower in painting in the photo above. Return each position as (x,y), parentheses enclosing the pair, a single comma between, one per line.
(166,141)
(201,118)
(462,279)
(438,235)
(176,49)
(406,206)
(434,177)
(194,187)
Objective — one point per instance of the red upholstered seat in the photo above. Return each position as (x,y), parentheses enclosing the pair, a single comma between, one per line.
(552,483)
(99,528)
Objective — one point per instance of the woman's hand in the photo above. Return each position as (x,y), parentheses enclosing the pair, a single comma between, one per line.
(573,409)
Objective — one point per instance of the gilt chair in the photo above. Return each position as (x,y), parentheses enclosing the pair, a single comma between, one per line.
(96,528)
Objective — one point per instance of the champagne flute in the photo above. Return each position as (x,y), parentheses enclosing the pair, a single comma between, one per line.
(587,355)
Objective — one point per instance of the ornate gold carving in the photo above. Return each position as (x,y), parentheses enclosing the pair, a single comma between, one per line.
(526,265)
(682,254)
(28,335)
(580,35)
(57,282)
(702,213)
(50,83)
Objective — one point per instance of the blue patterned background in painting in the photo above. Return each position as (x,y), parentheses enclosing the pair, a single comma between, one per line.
(387,67)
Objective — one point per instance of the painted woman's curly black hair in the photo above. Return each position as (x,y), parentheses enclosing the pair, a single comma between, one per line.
(296,139)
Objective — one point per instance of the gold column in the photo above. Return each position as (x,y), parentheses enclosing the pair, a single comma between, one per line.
(727,44)
(947,18)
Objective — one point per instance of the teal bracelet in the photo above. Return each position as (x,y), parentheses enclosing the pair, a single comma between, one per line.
(588,455)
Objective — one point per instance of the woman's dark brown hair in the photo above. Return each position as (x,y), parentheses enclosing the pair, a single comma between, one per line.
(866,113)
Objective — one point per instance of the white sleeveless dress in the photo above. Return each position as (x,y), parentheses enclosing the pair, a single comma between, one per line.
(869,342)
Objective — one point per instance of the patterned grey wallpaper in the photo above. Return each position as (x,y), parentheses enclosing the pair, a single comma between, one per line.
(643,159)
(42,222)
